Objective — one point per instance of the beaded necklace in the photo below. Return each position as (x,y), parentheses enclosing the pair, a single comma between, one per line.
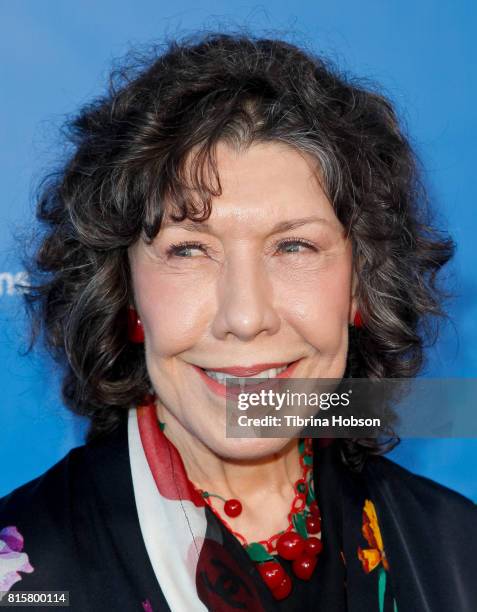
(297,543)
(294,544)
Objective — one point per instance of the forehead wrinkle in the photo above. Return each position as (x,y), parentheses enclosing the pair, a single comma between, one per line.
(282,226)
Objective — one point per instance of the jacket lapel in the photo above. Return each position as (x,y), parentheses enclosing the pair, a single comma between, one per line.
(430,538)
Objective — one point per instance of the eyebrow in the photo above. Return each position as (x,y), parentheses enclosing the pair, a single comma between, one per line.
(282,226)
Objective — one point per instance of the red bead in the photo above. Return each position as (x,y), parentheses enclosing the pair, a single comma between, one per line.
(304,566)
(272,574)
(135,328)
(232,507)
(283,589)
(313,524)
(358,319)
(290,545)
(313,546)
(314,508)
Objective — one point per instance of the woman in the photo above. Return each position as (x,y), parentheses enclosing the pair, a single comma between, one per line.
(234,206)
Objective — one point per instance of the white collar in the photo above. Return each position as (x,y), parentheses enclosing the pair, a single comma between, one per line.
(173,530)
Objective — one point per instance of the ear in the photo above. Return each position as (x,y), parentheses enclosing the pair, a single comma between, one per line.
(353,300)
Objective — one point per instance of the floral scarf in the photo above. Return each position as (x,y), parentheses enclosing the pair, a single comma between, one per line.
(99,525)
(195,557)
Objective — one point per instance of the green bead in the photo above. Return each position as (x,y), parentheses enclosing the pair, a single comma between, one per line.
(301,487)
(258,553)
(299,524)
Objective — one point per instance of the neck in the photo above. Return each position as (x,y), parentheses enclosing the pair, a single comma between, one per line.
(264,486)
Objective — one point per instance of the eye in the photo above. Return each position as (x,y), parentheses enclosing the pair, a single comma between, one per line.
(184,249)
(292,245)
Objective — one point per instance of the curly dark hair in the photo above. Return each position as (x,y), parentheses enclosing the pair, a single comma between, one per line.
(129,153)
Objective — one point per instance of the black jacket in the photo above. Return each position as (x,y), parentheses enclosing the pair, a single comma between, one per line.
(82,535)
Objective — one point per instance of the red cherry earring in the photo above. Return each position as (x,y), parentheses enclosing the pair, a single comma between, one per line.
(358,321)
(135,328)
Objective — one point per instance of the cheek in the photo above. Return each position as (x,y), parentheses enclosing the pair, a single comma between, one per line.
(173,312)
(318,306)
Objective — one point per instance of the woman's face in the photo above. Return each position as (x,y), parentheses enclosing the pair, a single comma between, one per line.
(266,279)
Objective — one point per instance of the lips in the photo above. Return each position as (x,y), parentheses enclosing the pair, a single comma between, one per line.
(250,370)
(233,390)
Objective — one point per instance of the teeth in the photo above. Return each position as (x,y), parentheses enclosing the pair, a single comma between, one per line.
(221,376)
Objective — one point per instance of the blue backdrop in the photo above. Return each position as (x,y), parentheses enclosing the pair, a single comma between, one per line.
(56,55)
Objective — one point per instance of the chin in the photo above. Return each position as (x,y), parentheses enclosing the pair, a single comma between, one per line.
(248,449)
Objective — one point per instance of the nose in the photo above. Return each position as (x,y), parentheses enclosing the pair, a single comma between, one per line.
(245,302)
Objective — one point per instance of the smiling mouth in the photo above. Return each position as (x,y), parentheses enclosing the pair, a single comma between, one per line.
(264,374)
(216,380)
